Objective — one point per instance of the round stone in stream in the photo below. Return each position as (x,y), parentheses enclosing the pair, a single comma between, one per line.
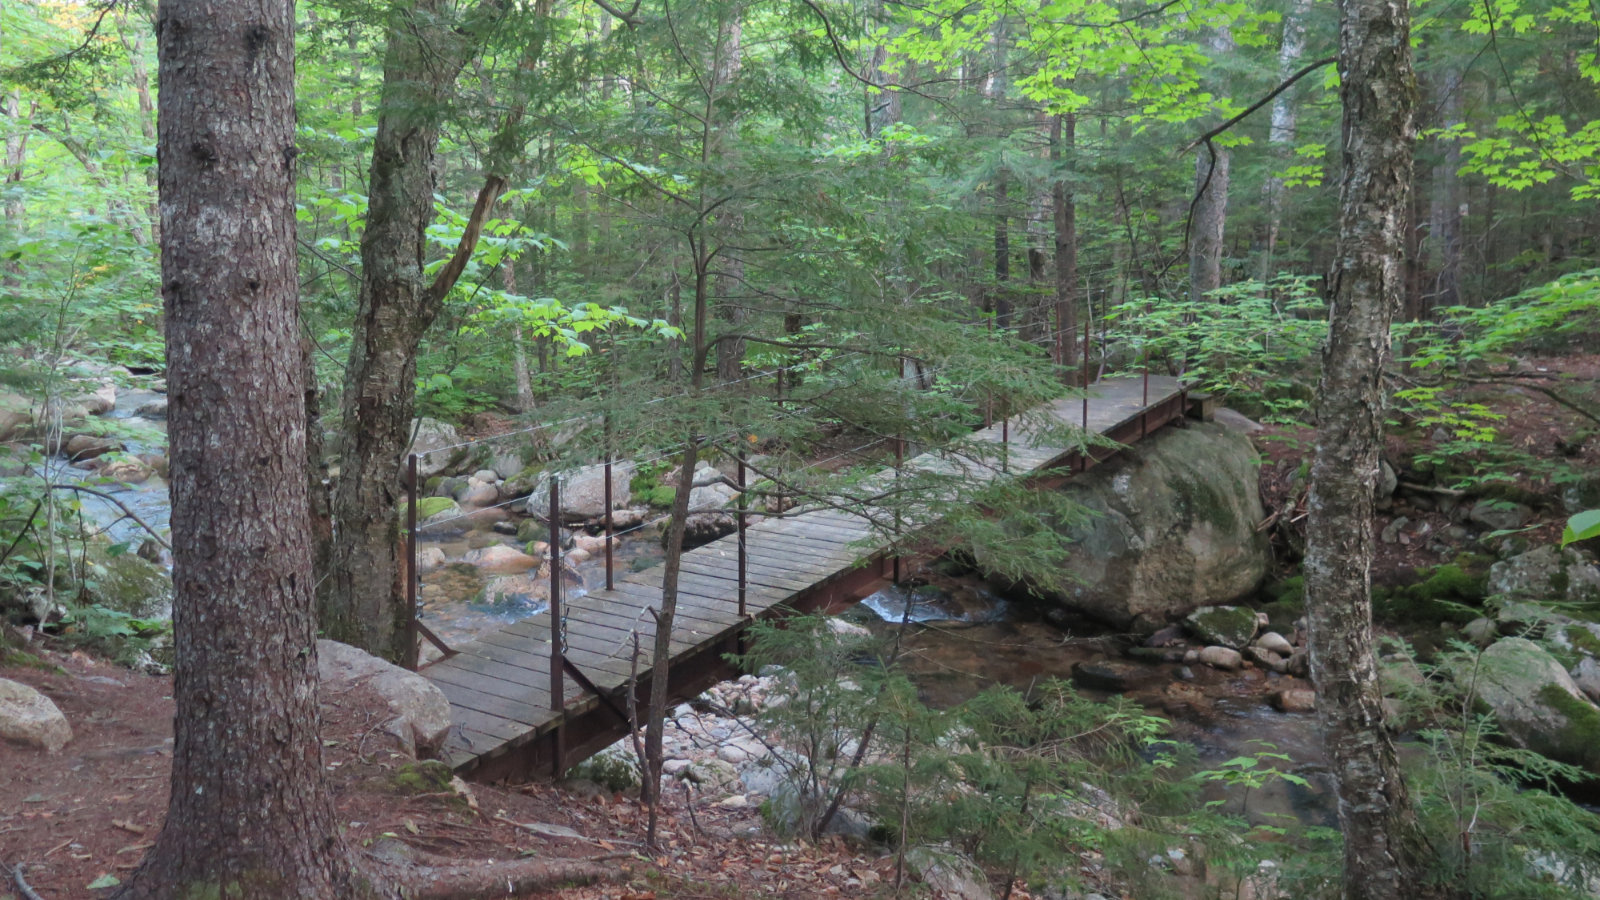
(1109,675)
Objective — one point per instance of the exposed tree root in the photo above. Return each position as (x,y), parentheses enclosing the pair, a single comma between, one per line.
(424,876)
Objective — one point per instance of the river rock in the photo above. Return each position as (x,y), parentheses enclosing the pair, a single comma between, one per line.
(1537,704)
(529,587)
(1173,528)
(1275,642)
(591,544)
(81,447)
(1109,675)
(128,470)
(433,512)
(1266,659)
(430,558)
(1230,626)
(500,559)
(583,492)
(432,435)
(1499,515)
(478,494)
(1546,575)
(1221,657)
(30,718)
(153,409)
(421,712)
(1295,700)
(1586,675)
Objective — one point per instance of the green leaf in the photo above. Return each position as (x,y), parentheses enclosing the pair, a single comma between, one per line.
(104,881)
(1581,527)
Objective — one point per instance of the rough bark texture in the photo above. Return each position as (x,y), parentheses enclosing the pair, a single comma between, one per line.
(249,814)
(363,603)
(1365,286)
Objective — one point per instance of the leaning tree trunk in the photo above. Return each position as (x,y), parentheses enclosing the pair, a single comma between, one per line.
(1365,287)
(249,813)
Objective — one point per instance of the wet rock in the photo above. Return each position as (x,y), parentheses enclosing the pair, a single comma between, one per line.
(82,447)
(594,545)
(1108,675)
(430,558)
(1298,664)
(152,409)
(1295,700)
(421,712)
(1221,658)
(501,559)
(1175,528)
(31,719)
(127,470)
(1275,642)
(1266,659)
(1229,626)
(1170,636)
(1499,515)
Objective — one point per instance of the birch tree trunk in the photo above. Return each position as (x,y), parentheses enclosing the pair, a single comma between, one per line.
(1281,132)
(249,813)
(1379,96)
(1209,223)
(1063,137)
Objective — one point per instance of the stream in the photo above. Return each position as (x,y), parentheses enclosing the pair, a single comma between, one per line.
(961,637)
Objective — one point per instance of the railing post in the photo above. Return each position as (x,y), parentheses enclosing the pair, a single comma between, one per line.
(1088,338)
(557,691)
(609,582)
(413,650)
(1005,444)
(899,461)
(743,550)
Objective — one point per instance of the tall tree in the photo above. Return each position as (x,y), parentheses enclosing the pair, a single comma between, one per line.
(1378,94)
(249,814)
(363,600)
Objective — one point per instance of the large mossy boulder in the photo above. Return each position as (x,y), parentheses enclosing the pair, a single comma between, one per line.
(1546,575)
(1173,527)
(1537,704)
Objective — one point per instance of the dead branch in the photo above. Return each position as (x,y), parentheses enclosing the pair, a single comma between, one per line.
(426,876)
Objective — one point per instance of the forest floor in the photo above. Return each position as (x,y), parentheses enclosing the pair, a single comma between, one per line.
(85,816)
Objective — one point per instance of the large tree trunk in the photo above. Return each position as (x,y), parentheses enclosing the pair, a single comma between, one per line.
(363,603)
(1281,133)
(249,813)
(1379,96)
(730,288)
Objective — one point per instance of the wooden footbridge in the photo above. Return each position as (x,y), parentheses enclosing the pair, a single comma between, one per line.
(510,724)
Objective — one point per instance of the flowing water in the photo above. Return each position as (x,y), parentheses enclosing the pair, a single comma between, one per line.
(963,637)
